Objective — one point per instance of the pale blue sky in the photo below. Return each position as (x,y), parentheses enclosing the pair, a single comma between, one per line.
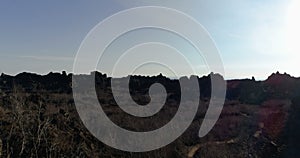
(42,36)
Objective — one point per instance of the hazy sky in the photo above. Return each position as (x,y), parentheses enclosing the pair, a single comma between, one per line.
(255,37)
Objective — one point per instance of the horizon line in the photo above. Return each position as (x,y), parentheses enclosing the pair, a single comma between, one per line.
(159,74)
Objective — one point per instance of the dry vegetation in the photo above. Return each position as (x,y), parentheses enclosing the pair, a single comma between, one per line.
(45,123)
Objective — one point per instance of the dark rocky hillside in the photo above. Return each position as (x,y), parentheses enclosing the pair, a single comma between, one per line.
(38,117)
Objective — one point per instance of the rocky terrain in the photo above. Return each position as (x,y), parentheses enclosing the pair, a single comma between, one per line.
(259,119)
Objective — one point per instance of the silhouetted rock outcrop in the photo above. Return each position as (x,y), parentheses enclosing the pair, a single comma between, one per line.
(246,90)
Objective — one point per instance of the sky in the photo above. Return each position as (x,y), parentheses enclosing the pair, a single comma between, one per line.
(254,37)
